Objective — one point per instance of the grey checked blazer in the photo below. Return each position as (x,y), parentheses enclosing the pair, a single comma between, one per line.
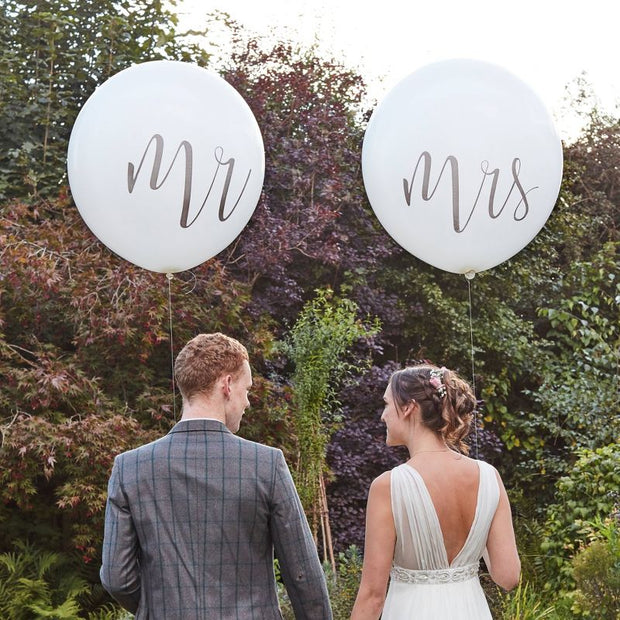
(192,521)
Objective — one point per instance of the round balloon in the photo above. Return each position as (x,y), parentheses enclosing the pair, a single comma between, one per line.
(166,164)
(462,164)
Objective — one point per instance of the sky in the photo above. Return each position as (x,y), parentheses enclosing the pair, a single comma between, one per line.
(546,43)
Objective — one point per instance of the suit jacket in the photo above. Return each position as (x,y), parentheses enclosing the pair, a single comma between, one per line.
(192,522)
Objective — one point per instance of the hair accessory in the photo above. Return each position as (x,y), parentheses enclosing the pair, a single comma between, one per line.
(436,380)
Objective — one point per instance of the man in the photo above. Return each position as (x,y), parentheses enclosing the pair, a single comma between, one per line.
(192,519)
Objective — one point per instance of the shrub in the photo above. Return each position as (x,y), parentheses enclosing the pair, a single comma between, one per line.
(596,570)
(344,584)
(588,492)
(33,584)
(110,612)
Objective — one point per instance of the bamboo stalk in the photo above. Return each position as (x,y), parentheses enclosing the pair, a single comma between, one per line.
(327,532)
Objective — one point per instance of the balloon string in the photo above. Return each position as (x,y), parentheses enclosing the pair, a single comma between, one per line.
(169,276)
(473,368)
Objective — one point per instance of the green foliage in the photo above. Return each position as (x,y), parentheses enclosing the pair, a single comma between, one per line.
(318,345)
(588,492)
(53,54)
(596,570)
(569,399)
(344,583)
(580,381)
(35,583)
(110,612)
(524,603)
(529,532)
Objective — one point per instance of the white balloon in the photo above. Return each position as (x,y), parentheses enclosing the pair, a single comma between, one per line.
(166,164)
(462,164)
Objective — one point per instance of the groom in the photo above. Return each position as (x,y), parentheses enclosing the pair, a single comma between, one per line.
(193,519)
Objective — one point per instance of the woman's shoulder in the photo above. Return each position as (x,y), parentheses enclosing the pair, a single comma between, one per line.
(380,490)
(382,479)
(489,469)
(473,465)
(383,482)
(489,476)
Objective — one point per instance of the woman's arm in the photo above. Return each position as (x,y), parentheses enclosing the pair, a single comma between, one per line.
(378,551)
(501,557)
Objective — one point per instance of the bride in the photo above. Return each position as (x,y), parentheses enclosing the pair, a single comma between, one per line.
(431,519)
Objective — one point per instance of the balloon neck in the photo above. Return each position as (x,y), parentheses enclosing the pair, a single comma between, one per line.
(470,274)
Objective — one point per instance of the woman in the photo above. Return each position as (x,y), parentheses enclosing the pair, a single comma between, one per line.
(431,519)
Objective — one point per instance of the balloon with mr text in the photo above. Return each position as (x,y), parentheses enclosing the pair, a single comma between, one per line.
(166,164)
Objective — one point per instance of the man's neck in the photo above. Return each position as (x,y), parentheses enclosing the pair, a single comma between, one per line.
(202,408)
(185,418)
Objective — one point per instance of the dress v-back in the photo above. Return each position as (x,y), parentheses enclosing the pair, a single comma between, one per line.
(423,583)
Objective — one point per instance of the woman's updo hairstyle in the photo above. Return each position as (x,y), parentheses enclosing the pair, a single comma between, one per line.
(446,402)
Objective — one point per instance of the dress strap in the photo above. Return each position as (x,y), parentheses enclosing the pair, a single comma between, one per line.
(442,575)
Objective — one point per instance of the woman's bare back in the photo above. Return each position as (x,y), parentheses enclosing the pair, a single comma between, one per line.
(452,481)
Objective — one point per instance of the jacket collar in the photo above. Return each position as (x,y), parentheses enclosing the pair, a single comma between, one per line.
(190,426)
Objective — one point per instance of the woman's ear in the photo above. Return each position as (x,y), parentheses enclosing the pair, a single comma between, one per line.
(409,408)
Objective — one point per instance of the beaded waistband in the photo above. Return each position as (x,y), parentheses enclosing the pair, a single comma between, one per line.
(443,575)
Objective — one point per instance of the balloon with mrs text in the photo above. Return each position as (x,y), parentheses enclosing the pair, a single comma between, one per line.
(462,164)
(166,164)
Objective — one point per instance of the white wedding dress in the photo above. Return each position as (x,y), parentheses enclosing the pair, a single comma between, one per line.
(423,585)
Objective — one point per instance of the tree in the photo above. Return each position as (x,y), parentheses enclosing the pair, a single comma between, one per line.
(317,345)
(53,54)
(589,492)
(312,223)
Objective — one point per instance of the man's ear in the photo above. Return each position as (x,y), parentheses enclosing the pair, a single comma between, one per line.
(227,383)
(224,384)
